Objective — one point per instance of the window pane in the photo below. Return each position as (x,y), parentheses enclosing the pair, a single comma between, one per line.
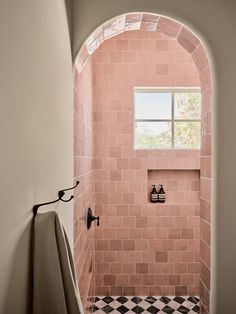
(152,135)
(152,105)
(187,134)
(187,105)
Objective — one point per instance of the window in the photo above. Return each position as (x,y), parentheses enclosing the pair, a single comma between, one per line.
(167,118)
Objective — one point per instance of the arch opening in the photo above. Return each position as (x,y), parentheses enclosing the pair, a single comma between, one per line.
(175,31)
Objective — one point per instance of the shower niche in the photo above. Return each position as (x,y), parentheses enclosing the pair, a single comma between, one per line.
(181,186)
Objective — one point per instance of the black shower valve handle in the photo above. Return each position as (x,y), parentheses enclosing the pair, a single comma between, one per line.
(91,218)
(95,218)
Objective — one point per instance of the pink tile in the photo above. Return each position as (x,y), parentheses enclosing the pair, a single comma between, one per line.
(116,290)
(102,268)
(141,268)
(122,280)
(148,25)
(162,69)
(168,27)
(142,290)
(161,257)
(194,268)
(141,222)
(116,57)
(187,40)
(135,45)
(129,291)
(149,233)
(115,245)
(135,280)
(135,233)
(150,17)
(129,57)
(128,245)
(135,163)
(162,45)
(167,222)
(128,198)
(122,234)
(109,256)
(174,279)
(115,175)
(109,280)
(121,210)
(133,17)
(102,290)
(122,163)
(200,58)
(205,232)
(181,245)
(205,210)
(180,290)
(148,280)
(109,69)
(149,45)
(187,233)
(205,189)
(122,44)
(143,245)
(115,268)
(108,234)
(129,268)
(168,268)
(168,245)
(129,222)
(205,79)
(174,233)
(115,221)
(135,257)
(145,228)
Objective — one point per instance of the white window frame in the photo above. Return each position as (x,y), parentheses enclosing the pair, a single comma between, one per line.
(172,120)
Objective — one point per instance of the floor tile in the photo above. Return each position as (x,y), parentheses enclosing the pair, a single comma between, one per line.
(146,305)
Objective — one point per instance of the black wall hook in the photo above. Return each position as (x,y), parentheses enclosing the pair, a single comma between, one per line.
(36,207)
(62,192)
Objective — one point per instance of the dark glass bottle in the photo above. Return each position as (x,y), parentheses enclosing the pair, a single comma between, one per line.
(154,195)
(161,195)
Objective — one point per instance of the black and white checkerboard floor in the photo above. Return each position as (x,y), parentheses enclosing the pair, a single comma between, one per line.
(146,305)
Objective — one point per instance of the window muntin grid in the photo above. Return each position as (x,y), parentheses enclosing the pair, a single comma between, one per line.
(172,120)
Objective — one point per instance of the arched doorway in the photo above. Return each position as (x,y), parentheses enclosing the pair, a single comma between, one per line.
(174,30)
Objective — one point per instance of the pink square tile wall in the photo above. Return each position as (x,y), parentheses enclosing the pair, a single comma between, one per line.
(205,191)
(84,246)
(143,248)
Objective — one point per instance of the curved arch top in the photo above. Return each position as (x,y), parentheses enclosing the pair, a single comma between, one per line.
(144,21)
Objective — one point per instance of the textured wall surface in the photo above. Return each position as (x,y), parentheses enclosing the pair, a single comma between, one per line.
(206,166)
(36,134)
(142,248)
(83,171)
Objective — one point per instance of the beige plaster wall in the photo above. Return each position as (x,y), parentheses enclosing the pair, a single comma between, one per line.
(214,22)
(36,133)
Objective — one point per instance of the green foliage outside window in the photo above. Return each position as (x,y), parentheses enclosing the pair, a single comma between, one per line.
(182,130)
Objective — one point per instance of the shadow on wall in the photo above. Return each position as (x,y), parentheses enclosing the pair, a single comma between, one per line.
(24,244)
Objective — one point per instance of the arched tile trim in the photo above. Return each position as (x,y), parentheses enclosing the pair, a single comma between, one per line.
(135,21)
